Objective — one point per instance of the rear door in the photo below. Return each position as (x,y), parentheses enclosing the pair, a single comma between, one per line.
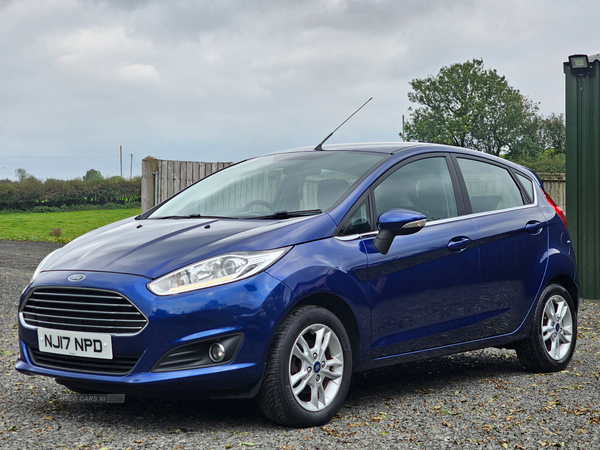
(513,242)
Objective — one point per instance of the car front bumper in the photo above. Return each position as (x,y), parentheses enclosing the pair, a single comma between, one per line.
(250,308)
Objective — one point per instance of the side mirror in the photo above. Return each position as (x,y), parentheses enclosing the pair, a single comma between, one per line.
(396,222)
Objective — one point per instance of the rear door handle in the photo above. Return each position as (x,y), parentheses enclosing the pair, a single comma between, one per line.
(534,226)
(458,244)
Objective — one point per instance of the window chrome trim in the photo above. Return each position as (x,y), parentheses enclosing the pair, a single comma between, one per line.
(446,220)
(503,210)
(352,237)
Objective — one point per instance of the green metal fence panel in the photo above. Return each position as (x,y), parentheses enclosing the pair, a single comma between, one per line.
(583,173)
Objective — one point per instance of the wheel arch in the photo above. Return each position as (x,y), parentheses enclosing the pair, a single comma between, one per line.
(568,283)
(343,312)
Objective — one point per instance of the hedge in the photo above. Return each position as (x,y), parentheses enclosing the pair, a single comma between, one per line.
(33,193)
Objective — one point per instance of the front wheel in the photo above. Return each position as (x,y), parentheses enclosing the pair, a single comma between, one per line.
(553,335)
(308,369)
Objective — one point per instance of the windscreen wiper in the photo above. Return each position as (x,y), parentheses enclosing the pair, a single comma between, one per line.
(189,216)
(288,214)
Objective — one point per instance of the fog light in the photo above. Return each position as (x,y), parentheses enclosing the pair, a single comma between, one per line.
(216,352)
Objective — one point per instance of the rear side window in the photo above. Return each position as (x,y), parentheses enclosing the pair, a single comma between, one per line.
(489,187)
(527,185)
(424,186)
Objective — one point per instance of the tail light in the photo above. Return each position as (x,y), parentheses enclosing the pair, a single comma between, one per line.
(559,211)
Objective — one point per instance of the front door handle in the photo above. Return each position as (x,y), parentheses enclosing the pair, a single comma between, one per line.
(534,226)
(458,244)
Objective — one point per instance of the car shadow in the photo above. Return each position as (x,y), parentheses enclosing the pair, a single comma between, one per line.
(367,390)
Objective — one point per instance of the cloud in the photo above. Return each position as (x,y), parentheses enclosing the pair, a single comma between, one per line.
(228,79)
(139,73)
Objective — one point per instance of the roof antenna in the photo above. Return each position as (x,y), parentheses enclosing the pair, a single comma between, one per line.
(319,147)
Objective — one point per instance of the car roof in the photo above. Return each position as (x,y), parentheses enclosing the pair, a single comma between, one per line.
(371,147)
(392,148)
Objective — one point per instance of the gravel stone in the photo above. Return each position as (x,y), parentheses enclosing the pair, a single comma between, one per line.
(476,400)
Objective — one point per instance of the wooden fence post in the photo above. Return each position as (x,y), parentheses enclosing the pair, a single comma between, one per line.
(149,166)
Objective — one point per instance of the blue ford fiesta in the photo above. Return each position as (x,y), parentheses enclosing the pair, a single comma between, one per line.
(280,276)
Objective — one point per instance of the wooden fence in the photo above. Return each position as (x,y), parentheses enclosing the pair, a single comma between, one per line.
(555,186)
(161,179)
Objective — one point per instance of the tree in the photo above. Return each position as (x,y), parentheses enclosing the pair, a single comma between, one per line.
(542,137)
(21,174)
(469,106)
(533,142)
(93,175)
(555,132)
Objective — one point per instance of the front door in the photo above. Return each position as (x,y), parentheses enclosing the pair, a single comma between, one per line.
(425,291)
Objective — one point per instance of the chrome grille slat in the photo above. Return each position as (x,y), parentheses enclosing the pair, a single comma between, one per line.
(81,303)
(75,309)
(79,318)
(77,295)
(74,327)
(80,311)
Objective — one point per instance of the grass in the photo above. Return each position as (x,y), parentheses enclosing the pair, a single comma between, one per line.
(58,226)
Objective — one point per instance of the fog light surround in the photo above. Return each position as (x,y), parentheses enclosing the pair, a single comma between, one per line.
(206,352)
(216,352)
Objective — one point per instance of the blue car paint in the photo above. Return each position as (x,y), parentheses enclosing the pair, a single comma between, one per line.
(160,246)
(512,266)
(251,306)
(125,256)
(308,270)
(421,290)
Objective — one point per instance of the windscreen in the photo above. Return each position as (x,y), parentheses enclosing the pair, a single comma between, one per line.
(296,182)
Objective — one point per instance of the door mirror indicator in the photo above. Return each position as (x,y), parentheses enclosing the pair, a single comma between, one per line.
(396,222)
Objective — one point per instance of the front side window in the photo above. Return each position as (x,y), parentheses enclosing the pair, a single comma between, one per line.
(358,222)
(424,186)
(489,187)
(299,182)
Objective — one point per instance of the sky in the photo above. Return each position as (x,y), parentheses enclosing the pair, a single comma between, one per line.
(225,80)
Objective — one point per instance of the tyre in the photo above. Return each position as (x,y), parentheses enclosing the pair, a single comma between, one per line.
(308,369)
(551,342)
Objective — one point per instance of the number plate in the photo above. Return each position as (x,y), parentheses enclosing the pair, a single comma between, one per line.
(75,343)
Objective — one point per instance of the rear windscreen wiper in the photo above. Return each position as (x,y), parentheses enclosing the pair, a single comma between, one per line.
(288,214)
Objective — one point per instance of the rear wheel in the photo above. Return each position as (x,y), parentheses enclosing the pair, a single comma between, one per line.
(553,335)
(308,369)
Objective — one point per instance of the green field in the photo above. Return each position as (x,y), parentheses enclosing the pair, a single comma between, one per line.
(39,227)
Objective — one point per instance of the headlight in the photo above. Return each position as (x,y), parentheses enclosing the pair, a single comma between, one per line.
(214,271)
(41,266)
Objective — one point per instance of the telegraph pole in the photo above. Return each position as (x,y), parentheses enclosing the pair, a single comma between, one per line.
(121,158)
(403,134)
(131,167)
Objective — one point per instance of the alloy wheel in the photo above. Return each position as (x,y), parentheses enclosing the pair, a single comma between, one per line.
(557,327)
(316,367)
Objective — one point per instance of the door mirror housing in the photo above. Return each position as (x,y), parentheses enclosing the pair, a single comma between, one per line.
(396,222)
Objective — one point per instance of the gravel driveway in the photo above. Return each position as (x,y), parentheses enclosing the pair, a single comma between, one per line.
(480,399)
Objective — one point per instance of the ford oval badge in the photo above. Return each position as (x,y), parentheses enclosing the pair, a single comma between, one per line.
(76,277)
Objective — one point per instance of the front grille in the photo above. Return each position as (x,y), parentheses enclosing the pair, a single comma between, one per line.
(119,365)
(88,310)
